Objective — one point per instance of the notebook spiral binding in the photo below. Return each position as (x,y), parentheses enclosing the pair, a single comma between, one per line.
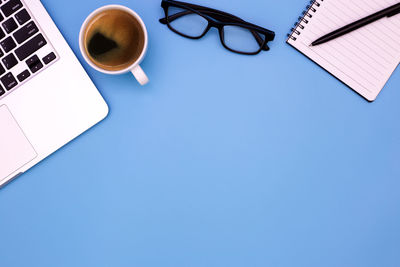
(307,15)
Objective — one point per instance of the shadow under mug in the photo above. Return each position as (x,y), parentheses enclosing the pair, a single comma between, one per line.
(134,68)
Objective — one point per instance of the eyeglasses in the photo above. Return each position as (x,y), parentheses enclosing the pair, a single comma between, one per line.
(236,35)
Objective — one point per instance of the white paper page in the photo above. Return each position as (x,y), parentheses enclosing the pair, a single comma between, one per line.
(364,59)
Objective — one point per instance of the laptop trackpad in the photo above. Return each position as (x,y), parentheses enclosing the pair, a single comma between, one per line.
(15,149)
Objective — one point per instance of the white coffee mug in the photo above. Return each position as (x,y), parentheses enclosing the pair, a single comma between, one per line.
(135,68)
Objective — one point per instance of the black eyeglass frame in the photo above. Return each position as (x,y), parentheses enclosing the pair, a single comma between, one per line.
(219,20)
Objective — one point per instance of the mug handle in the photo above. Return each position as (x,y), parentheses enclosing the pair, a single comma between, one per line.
(140,76)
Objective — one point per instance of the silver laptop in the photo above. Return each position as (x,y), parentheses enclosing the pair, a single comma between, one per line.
(46,98)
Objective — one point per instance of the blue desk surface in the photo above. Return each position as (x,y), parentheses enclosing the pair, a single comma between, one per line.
(222,160)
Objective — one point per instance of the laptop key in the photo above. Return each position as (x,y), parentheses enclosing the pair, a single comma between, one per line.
(1,54)
(22,16)
(1,17)
(11,7)
(23,75)
(30,47)
(8,44)
(10,25)
(34,63)
(2,34)
(10,61)
(8,81)
(49,58)
(26,32)
(2,91)
(2,70)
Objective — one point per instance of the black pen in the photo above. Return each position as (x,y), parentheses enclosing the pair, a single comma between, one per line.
(388,12)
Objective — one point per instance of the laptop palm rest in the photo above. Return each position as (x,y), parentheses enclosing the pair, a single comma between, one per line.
(15,149)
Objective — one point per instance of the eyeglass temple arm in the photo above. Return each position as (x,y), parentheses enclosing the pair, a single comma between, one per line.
(171,18)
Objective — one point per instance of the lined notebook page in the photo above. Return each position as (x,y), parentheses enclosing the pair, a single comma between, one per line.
(364,59)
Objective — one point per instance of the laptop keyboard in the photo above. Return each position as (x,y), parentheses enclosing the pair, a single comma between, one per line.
(24,50)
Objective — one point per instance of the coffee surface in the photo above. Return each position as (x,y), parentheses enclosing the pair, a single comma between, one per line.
(114,40)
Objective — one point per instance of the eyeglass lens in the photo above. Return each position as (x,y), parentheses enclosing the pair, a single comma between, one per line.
(187,22)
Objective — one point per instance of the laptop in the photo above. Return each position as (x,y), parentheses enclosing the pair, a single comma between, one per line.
(46,97)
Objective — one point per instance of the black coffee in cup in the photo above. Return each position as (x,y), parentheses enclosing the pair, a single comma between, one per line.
(114,39)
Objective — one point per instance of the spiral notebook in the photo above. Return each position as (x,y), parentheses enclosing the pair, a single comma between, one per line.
(364,59)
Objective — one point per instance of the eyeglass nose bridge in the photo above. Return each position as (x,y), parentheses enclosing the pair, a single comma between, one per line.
(214,24)
(219,27)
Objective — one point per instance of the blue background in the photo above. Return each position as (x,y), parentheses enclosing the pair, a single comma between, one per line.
(222,160)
